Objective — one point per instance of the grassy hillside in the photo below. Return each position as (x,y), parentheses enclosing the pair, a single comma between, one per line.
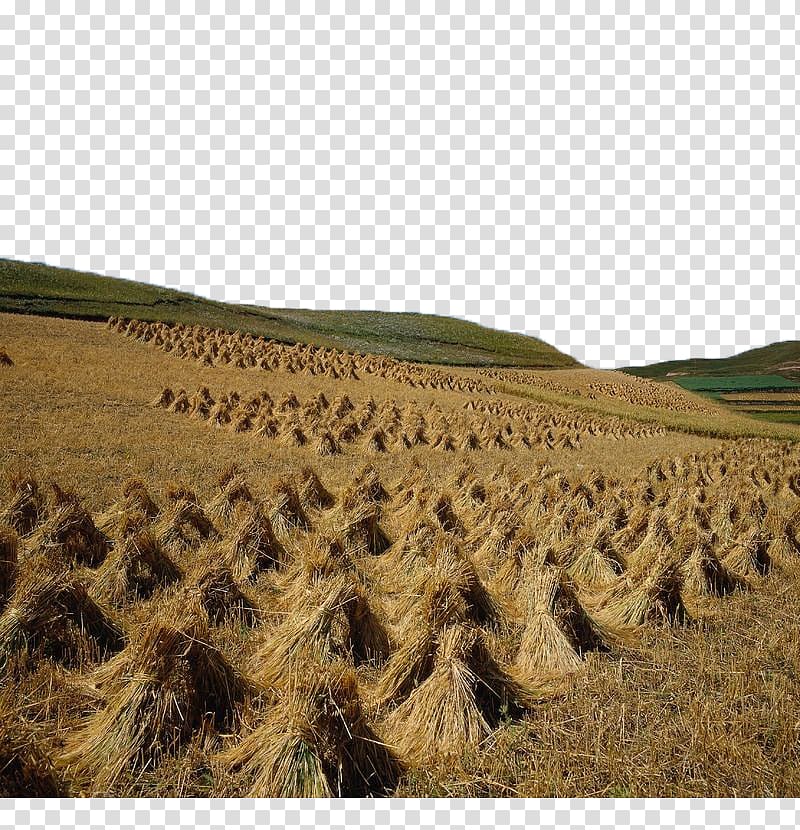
(30,288)
(734,383)
(776,359)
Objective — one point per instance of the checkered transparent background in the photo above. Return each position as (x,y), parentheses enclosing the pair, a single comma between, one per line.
(619,178)
(425,814)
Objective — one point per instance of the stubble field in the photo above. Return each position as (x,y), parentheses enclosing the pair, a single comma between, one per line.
(230,567)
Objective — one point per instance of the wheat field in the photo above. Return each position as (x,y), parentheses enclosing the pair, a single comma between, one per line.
(232,567)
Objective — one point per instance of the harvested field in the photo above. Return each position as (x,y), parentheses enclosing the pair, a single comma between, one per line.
(581,424)
(212,347)
(227,580)
(594,384)
(363,426)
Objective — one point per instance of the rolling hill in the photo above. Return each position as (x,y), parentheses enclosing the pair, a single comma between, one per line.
(776,359)
(33,288)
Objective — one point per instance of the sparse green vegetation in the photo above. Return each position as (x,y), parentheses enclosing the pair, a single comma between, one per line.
(786,417)
(735,383)
(776,359)
(30,288)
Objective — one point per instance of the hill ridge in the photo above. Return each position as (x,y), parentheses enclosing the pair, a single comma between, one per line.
(781,358)
(37,288)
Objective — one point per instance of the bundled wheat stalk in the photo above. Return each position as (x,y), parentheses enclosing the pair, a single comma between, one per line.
(155,694)
(27,506)
(359,528)
(183,525)
(527,553)
(330,619)
(233,491)
(51,613)
(69,533)
(366,485)
(704,573)
(317,628)
(287,513)
(784,546)
(315,743)
(749,556)
(652,593)
(449,594)
(216,591)
(313,494)
(180,403)
(293,436)
(409,665)
(377,440)
(594,562)
(252,546)
(444,514)
(557,629)
(318,557)
(408,553)
(165,398)
(369,639)
(493,538)
(133,511)
(453,582)
(136,567)
(456,706)
(327,444)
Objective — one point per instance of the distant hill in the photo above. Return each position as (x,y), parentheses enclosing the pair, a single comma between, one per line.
(776,359)
(33,288)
